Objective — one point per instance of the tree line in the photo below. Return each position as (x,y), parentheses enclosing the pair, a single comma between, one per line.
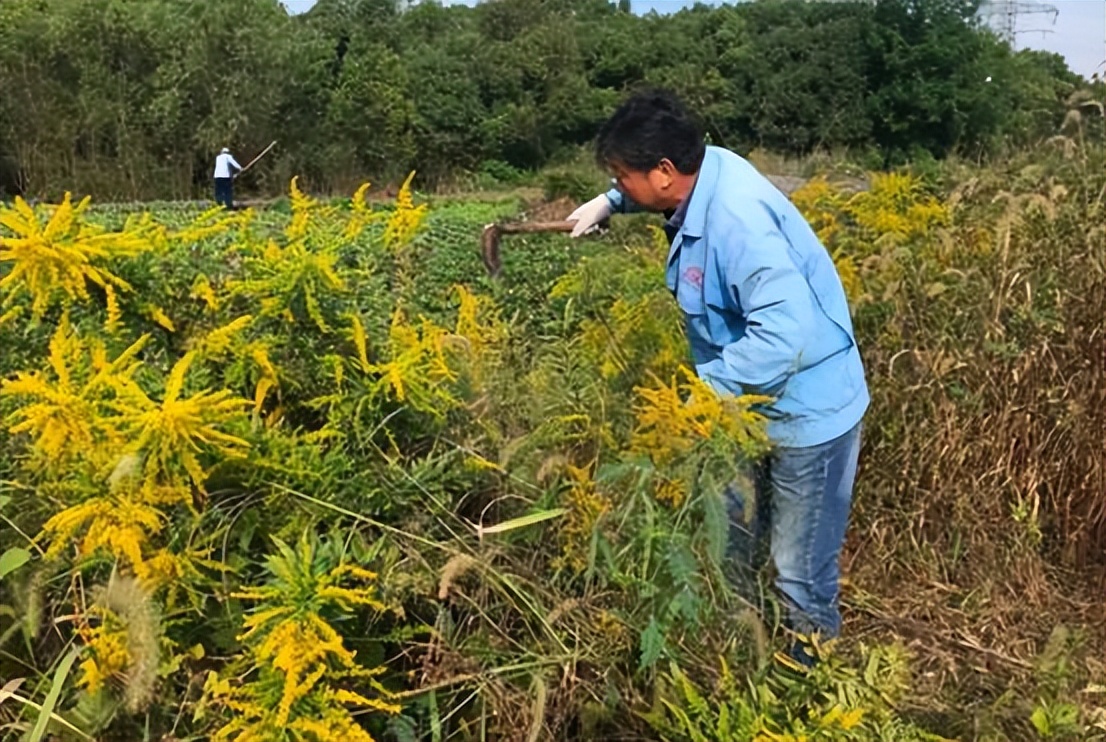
(133,98)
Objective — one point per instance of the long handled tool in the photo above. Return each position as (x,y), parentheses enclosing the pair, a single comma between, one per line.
(489,241)
(251,162)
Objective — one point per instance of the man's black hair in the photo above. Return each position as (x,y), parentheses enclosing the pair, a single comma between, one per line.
(651,125)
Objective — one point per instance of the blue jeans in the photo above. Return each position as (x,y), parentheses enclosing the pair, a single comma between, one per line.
(802,503)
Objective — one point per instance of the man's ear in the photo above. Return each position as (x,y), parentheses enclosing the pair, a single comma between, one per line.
(668,171)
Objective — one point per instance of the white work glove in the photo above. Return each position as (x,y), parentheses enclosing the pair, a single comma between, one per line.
(588,216)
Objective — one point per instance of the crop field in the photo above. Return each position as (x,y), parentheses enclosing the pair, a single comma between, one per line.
(308,473)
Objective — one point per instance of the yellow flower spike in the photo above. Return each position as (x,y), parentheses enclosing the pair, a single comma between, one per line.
(305,211)
(201,289)
(254,622)
(269,380)
(479,323)
(109,656)
(348,696)
(68,415)
(324,264)
(668,427)
(257,593)
(347,597)
(272,253)
(295,278)
(314,311)
(586,506)
(357,332)
(671,491)
(301,208)
(416,368)
(851,718)
(361,214)
(354,571)
(219,340)
(56,261)
(11,314)
(120,525)
(20,220)
(160,317)
(357,201)
(114,312)
(211,223)
(476,462)
(850,277)
(299,659)
(171,433)
(176,377)
(295,690)
(406,219)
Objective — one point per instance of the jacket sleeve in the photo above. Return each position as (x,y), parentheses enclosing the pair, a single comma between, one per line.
(779,312)
(620,203)
(235,164)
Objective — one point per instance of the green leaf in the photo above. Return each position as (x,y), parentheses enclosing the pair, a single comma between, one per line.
(684,606)
(47,711)
(652,644)
(1039,718)
(1066,716)
(692,697)
(521,522)
(716,527)
(13,559)
(681,563)
(686,724)
(538,709)
(871,670)
(403,729)
(435,717)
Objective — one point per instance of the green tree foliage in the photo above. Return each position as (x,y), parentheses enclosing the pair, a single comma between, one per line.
(131,98)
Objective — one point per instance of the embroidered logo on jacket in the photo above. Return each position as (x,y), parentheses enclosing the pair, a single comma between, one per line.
(694,276)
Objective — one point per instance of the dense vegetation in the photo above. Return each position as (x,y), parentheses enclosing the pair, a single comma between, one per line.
(308,474)
(131,98)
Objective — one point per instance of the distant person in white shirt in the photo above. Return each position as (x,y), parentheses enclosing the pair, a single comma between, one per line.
(224,179)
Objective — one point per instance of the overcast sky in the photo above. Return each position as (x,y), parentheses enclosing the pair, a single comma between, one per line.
(1078,30)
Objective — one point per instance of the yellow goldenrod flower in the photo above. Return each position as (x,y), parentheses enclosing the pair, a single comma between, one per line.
(170,434)
(406,219)
(669,427)
(68,413)
(60,257)
(586,506)
(298,655)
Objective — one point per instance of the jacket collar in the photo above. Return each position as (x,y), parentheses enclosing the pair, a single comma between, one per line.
(695,216)
(695,219)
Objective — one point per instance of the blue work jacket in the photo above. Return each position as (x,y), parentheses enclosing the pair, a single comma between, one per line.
(764,308)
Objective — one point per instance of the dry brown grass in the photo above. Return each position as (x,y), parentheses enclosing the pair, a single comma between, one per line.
(981,510)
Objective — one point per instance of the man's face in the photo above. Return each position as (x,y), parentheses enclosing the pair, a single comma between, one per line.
(650,189)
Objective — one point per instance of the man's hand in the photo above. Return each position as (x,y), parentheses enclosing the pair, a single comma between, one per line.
(589,215)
